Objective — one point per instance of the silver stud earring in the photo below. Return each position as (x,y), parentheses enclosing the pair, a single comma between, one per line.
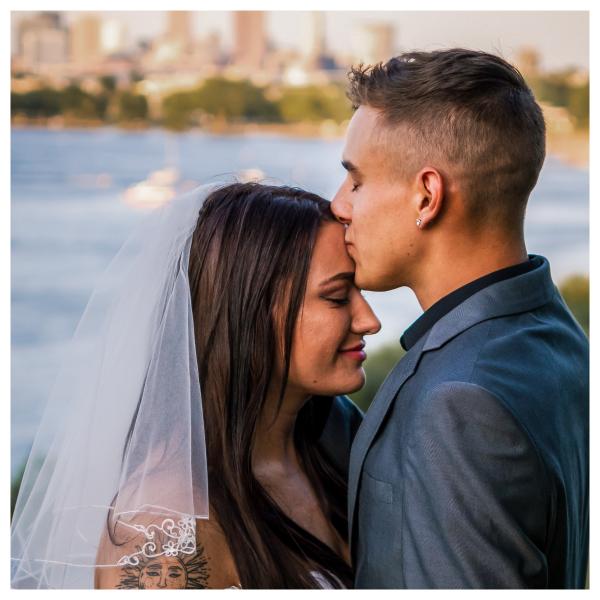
(419,222)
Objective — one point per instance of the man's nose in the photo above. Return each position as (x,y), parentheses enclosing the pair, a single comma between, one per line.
(341,208)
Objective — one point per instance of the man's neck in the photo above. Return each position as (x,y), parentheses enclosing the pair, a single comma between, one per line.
(449,267)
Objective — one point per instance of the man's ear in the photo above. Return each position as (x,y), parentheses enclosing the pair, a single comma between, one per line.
(430,185)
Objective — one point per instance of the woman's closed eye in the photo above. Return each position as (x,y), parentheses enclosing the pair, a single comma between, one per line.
(338,301)
(339,295)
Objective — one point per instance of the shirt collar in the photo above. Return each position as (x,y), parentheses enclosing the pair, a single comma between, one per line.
(442,307)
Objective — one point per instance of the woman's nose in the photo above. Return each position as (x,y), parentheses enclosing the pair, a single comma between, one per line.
(365,321)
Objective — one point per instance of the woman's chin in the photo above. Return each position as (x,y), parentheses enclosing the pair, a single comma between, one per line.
(353,384)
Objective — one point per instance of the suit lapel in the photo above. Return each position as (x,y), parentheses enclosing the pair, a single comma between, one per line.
(375,415)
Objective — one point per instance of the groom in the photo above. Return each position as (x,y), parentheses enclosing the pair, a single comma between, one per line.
(470,469)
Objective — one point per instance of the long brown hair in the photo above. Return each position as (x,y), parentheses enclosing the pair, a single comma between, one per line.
(249,260)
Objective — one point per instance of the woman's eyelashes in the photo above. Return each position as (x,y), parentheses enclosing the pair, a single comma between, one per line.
(338,301)
(339,295)
(355,186)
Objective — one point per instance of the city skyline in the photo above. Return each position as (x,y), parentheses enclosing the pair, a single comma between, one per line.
(494,31)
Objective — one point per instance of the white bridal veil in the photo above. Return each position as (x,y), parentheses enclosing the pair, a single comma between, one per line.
(130,444)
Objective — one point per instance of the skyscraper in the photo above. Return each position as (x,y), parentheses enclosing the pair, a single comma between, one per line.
(313,40)
(250,40)
(113,37)
(86,44)
(375,42)
(179,28)
(42,40)
(317,34)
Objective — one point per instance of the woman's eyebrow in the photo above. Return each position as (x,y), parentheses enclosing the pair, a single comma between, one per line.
(345,276)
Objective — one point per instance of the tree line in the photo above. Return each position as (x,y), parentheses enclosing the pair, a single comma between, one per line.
(242,101)
(216,98)
(558,89)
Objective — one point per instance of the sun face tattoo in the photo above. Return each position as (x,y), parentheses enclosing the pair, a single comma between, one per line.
(167,572)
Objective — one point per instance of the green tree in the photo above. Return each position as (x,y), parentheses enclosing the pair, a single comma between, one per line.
(576,292)
(45,102)
(557,89)
(81,104)
(132,107)
(235,100)
(377,366)
(230,100)
(552,88)
(177,109)
(578,104)
(108,83)
(314,103)
(135,76)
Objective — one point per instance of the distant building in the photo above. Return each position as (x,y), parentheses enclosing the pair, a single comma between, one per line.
(179,28)
(313,39)
(175,47)
(113,37)
(208,51)
(528,61)
(375,43)
(250,40)
(42,41)
(86,42)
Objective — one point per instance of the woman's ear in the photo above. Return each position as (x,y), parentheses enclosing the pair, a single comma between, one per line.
(430,184)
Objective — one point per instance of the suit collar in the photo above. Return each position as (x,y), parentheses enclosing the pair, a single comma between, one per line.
(519,294)
(450,301)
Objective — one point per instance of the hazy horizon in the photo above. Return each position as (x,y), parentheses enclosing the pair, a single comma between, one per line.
(561,37)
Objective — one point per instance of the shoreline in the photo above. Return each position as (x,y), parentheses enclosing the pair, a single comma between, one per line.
(571,148)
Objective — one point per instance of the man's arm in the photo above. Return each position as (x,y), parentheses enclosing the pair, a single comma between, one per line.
(476,500)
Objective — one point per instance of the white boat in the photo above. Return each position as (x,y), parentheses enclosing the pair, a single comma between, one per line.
(247,175)
(156,190)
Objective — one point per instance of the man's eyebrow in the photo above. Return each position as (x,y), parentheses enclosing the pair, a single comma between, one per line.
(346,276)
(350,167)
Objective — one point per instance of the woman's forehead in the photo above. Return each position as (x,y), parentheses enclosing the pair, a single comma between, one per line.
(330,257)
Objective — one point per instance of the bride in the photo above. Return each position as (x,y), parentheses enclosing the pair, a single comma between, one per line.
(204,438)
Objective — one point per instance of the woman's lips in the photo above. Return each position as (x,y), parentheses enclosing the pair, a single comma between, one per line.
(356,352)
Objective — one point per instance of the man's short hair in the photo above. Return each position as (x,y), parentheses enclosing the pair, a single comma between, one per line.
(465,111)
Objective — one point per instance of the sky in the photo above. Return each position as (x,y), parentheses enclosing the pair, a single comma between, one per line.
(561,36)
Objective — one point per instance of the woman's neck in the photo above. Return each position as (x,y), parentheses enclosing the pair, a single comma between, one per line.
(274,450)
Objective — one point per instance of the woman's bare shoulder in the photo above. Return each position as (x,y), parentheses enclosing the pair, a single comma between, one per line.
(137,562)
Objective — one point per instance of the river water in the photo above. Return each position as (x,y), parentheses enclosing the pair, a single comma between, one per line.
(69,219)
